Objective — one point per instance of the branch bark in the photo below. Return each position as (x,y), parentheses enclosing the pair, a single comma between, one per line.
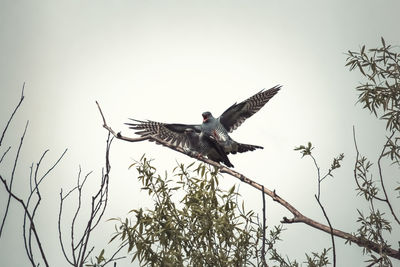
(298,217)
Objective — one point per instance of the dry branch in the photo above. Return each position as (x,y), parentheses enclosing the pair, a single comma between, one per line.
(79,247)
(298,217)
(16,159)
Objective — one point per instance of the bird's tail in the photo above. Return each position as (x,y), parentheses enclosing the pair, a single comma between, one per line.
(246,147)
(226,161)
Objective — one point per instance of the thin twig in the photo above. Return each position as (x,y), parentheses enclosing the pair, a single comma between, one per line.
(381,179)
(32,224)
(36,188)
(331,228)
(59,228)
(8,149)
(318,198)
(80,252)
(355,167)
(52,167)
(118,135)
(12,115)
(12,178)
(263,238)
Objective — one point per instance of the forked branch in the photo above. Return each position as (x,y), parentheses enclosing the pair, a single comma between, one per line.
(79,247)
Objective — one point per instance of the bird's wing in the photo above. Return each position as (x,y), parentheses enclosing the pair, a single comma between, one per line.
(234,116)
(173,133)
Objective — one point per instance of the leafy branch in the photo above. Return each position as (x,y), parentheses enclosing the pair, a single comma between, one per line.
(306,151)
(298,217)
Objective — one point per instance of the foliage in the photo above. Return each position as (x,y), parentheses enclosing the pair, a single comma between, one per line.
(318,260)
(380,94)
(196,223)
(203,229)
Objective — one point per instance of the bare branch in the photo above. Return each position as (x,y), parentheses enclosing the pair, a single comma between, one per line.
(12,177)
(331,228)
(5,153)
(263,237)
(31,221)
(12,115)
(113,257)
(298,217)
(118,135)
(59,228)
(80,252)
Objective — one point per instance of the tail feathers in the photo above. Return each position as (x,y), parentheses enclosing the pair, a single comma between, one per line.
(245,147)
(224,159)
(217,154)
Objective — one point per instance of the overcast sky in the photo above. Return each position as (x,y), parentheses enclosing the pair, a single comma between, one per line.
(169,61)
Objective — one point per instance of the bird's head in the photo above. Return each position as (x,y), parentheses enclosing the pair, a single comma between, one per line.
(206,116)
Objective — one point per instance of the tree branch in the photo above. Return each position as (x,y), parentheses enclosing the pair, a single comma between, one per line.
(32,224)
(263,237)
(381,179)
(12,115)
(80,251)
(5,153)
(12,176)
(298,217)
(318,198)
(331,228)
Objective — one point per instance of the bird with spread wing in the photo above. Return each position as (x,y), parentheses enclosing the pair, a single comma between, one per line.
(211,138)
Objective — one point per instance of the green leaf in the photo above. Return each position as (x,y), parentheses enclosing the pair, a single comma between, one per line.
(130,166)
(101,256)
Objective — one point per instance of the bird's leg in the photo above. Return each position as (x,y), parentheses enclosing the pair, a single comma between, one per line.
(194,154)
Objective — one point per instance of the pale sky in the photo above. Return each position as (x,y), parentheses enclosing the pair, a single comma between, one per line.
(169,61)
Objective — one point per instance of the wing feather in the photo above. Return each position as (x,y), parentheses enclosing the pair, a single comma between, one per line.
(173,133)
(236,114)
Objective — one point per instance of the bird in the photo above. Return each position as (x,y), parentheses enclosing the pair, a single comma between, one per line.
(232,118)
(197,144)
(186,136)
(213,128)
(213,132)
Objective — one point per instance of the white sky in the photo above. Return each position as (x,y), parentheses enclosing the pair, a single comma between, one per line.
(171,60)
